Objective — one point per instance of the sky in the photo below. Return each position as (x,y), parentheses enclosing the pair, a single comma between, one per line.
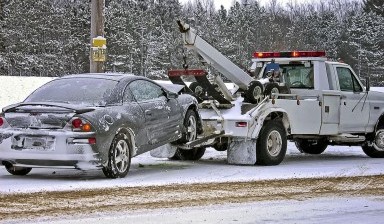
(228,3)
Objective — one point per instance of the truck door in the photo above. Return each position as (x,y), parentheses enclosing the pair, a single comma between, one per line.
(354,106)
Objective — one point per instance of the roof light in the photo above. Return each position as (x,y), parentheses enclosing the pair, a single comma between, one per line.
(289,54)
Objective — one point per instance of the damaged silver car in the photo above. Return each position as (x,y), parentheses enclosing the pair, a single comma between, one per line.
(95,121)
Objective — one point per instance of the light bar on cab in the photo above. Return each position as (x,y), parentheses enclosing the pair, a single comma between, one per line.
(289,54)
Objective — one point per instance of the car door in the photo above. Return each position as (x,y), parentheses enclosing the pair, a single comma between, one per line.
(135,120)
(156,107)
(354,106)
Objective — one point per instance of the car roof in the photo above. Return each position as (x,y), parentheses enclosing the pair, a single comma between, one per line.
(109,76)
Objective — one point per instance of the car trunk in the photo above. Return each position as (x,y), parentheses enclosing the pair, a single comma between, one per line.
(39,117)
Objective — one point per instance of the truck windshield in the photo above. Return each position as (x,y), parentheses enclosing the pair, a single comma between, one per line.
(298,75)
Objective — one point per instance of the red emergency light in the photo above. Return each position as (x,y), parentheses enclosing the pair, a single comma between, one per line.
(289,54)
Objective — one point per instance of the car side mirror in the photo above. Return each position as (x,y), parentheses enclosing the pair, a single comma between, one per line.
(367,84)
(171,95)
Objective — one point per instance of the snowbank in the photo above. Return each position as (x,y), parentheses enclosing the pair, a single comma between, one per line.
(14,89)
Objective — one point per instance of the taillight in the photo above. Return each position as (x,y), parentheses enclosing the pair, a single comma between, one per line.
(1,121)
(241,124)
(81,125)
(77,123)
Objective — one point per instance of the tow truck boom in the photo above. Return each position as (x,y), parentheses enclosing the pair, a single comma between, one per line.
(214,57)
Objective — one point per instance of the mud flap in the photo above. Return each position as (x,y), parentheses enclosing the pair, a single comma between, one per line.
(165,151)
(242,152)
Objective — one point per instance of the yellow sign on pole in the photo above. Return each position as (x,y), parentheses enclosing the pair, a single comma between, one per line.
(99,49)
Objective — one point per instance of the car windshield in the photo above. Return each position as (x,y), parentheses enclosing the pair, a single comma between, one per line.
(87,91)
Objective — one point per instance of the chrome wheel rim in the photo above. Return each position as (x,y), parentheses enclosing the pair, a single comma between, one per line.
(257,93)
(379,140)
(191,128)
(199,90)
(121,156)
(274,143)
(275,90)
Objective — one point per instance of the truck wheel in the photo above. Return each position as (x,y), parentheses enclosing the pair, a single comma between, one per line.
(311,147)
(191,154)
(271,145)
(15,170)
(377,148)
(254,93)
(197,89)
(271,88)
(119,157)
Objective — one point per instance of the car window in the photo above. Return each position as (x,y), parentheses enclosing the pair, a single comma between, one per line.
(143,90)
(89,91)
(127,97)
(347,80)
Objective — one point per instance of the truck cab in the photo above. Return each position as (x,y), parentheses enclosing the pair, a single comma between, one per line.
(333,106)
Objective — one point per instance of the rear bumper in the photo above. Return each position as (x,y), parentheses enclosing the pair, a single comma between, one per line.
(67,151)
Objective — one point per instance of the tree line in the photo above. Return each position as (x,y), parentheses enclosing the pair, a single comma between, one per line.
(52,37)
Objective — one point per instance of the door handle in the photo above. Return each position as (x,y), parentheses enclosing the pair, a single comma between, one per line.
(148,112)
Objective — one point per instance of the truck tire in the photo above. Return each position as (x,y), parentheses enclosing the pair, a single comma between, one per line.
(17,171)
(271,88)
(271,145)
(376,150)
(254,93)
(311,147)
(197,89)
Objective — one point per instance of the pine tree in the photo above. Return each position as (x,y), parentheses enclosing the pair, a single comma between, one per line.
(376,6)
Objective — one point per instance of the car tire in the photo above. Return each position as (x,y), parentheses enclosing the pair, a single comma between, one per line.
(376,150)
(190,124)
(271,146)
(119,157)
(315,147)
(254,93)
(197,89)
(18,171)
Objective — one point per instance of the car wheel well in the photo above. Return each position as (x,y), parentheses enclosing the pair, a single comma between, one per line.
(131,139)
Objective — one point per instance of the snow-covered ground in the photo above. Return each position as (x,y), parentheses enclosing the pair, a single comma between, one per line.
(146,170)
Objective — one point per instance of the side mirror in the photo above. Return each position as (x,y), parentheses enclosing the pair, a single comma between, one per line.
(367,84)
(172,95)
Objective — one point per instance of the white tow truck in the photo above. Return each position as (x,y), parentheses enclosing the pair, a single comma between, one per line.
(313,102)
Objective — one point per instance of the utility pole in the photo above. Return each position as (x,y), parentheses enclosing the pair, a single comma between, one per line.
(97,30)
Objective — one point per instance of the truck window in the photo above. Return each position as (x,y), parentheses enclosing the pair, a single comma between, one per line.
(298,75)
(347,81)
